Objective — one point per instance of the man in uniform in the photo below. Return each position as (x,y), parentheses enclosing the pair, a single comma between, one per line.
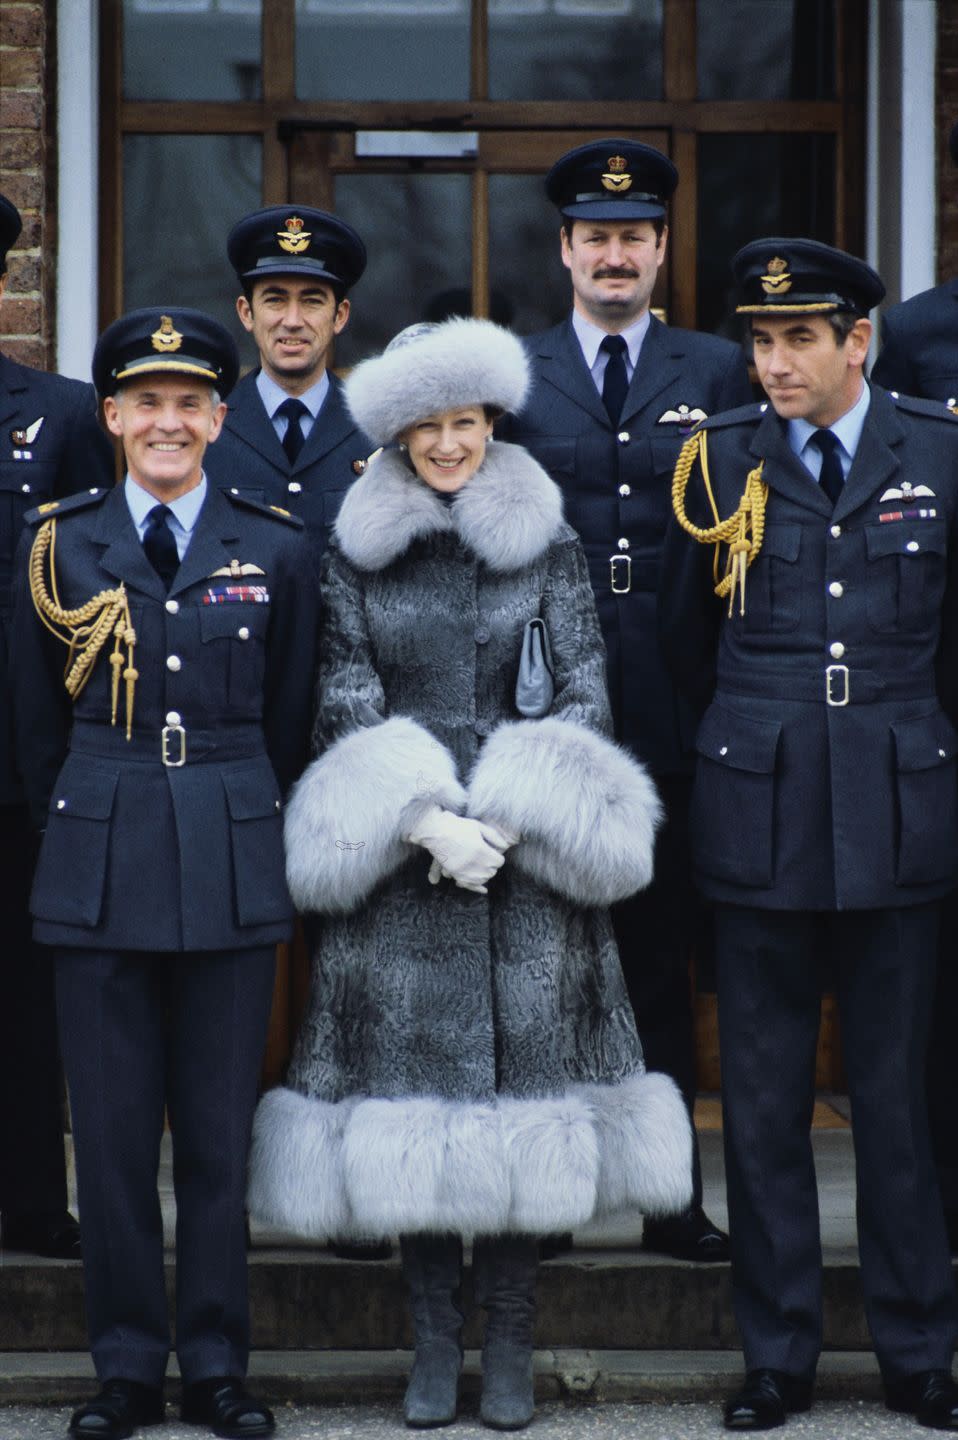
(50,445)
(155,764)
(288,436)
(615,394)
(822,639)
(919,356)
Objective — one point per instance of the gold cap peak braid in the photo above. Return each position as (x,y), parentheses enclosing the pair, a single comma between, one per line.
(86,629)
(743,531)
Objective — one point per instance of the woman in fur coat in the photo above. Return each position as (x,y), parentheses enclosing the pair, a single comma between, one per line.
(469,1062)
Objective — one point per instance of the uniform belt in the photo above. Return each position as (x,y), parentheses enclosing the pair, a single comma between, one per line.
(834,685)
(170,745)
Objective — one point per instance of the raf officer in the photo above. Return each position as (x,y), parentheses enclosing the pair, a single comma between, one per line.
(615,394)
(50,445)
(815,622)
(156,765)
(287,436)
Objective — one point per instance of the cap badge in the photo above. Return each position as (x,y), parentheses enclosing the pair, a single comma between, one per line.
(294,239)
(166,339)
(777,281)
(617,178)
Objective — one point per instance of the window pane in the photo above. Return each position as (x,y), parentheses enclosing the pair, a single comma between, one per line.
(181,195)
(766,49)
(192,49)
(750,186)
(417,231)
(529,285)
(575,49)
(382,49)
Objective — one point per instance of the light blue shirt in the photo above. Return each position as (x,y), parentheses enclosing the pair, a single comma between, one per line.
(273,396)
(847,431)
(590,338)
(186,511)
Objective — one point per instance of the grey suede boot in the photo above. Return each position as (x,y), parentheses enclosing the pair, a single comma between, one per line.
(504,1273)
(432,1268)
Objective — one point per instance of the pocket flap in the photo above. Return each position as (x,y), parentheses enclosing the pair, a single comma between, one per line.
(251,794)
(739,741)
(901,537)
(226,621)
(88,795)
(782,541)
(924,742)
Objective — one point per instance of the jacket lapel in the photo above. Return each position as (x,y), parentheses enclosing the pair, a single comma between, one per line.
(12,386)
(657,369)
(124,557)
(247,419)
(783,471)
(213,544)
(562,365)
(875,464)
(331,427)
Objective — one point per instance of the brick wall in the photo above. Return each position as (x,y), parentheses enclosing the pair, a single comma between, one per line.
(27,148)
(946,111)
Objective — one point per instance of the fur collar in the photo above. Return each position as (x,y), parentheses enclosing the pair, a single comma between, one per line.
(508,513)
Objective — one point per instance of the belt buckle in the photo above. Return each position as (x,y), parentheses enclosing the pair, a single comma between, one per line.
(831,672)
(625,560)
(166,734)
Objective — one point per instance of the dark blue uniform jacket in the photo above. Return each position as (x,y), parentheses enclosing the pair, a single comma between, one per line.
(248,459)
(68,452)
(138,854)
(802,804)
(919,353)
(616,485)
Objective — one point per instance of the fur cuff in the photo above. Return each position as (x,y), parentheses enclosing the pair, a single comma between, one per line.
(587,811)
(389,1167)
(347,815)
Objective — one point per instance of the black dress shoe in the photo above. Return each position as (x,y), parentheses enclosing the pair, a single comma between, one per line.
(931,1396)
(691,1236)
(227,1407)
(51,1233)
(765,1399)
(361,1249)
(119,1408)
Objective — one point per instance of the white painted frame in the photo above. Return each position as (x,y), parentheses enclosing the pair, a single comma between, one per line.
(78,98)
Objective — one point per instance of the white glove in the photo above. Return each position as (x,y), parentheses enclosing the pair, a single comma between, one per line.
(464,850)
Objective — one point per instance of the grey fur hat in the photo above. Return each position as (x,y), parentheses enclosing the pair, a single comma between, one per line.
(430,368)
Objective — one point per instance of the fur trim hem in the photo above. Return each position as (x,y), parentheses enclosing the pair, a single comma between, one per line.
(508,513)
(389,1167)
(347,815)
(441,367)
(586,811)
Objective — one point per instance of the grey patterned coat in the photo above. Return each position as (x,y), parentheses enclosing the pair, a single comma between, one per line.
(467,1062)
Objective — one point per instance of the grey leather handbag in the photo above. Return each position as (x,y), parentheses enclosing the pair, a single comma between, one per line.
(535,683)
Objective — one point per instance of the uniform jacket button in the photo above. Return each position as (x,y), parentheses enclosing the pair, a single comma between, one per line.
(243,632)
(173,607)
(623,437)
(294,487)
(836,531)
(836,650)
(625,490)
(837,589)
(174,663)
(913,546)
(173,717)
(623,543)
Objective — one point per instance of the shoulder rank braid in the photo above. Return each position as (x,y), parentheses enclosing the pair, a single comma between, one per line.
(87,628)
(743,531)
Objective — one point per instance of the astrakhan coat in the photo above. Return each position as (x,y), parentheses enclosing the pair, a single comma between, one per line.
(468,1062)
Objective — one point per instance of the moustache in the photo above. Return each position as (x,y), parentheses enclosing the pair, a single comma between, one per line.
(609,272)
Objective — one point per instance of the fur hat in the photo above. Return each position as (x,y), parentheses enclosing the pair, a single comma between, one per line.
(430,368)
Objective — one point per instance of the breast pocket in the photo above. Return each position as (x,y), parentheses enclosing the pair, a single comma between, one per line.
(927,789)
(260,896)
(70,880)
(905,575)
(23,485)
(236,639)
(733,801)
(773,586)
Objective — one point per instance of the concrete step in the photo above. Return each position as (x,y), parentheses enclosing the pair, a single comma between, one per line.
(353,1377)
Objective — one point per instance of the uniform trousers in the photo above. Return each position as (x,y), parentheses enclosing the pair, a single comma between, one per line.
(772,967)
(141,1031)
(32,1169)
(655,931)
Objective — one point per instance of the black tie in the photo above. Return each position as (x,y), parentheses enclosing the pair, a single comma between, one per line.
(832,477)
(615,382)
(159,544)
(294,410)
